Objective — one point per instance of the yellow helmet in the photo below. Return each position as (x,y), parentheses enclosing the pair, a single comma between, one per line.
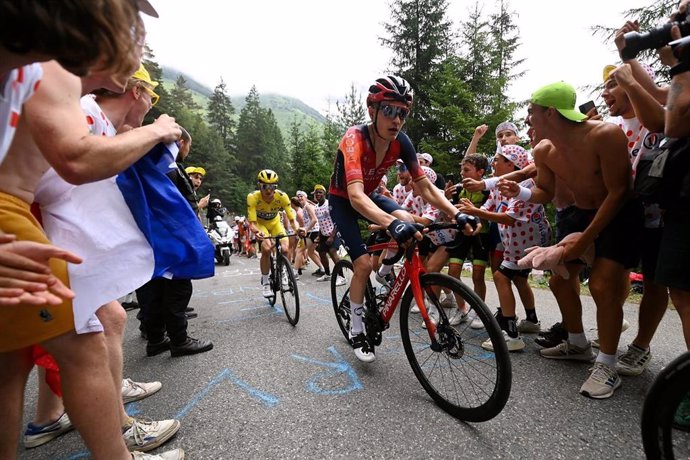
(267,176)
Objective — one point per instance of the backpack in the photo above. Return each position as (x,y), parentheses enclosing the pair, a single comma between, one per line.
(663,176)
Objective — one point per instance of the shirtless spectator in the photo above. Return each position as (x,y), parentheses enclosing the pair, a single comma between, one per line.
(591,159)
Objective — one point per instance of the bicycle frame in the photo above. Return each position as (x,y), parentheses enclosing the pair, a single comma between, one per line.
(410,272)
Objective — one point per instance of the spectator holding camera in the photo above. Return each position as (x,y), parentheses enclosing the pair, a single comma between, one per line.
(633,101)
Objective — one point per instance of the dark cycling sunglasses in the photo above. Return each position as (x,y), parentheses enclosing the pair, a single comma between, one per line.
(268,186)
(392,111)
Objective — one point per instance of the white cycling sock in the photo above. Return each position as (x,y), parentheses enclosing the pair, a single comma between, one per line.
(264,279)
(579,340)
(356,311)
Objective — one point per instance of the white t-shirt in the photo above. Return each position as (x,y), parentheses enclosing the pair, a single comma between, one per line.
(323,215)
(20,85)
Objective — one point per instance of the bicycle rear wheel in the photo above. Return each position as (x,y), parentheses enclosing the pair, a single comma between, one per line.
(659,437)
(463,379)
(288,290)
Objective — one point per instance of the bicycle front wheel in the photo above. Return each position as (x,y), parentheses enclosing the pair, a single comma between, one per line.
(288,290)
(660,438)
(463,379)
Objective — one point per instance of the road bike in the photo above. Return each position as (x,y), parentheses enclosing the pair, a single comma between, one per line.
(660,438)
(463,379)
(282,280)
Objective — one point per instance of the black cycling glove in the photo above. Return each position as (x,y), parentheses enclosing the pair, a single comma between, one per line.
(401,231)
(463,219)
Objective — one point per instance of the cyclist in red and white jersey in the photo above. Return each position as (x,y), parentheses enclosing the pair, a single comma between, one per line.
(364,155)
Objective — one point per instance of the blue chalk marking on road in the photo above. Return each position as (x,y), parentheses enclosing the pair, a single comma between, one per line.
(84,454)
(320,299)
(340,366)
(266,399)
(133,408)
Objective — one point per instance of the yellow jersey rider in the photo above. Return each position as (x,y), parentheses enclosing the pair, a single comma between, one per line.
(263,214)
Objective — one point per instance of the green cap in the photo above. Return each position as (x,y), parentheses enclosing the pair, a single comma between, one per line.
(561,96)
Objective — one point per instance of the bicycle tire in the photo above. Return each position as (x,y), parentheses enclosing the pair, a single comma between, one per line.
(660,404)
(340,295)
(459,368)
(289,292)
(272,280)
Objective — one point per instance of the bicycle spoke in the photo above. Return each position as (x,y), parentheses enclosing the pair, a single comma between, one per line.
(463,378)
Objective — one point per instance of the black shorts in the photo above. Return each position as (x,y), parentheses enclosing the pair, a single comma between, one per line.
(346,217)
(474,248)
(312,236)
(511,273)
(426,247)
(564,226)
(621,239)
(674,251)
(323,245)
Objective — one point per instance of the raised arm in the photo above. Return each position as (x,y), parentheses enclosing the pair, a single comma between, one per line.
(59,128)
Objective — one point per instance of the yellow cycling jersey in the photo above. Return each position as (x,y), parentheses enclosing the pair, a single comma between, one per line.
(257,208)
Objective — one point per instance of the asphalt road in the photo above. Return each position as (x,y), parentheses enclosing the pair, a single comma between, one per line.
(268,390)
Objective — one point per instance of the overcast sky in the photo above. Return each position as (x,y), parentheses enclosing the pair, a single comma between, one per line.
(314,49)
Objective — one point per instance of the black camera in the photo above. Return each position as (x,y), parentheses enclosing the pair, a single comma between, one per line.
(455,198)
(635,42)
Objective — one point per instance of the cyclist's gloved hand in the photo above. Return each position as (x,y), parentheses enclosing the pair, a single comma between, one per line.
(465,219)
(402,231)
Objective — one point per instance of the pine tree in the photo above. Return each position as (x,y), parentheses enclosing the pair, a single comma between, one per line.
(351,112)
(181,97)
(220,115)
(421,38)
(251,130)
(156,73)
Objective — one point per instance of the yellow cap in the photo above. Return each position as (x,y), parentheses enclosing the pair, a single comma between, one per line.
(607,71)
(143,75)
(195,170)
(319,188)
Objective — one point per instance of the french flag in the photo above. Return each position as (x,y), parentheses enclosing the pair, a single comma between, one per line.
(128,229)
(181,248)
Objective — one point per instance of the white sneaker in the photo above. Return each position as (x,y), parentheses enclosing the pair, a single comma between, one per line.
(175,454)
(476,323)
(296,273)
(601,383)
(458,317)
(528,327)
(37,435)
(134,391)
(514,344)
(433,316)
(145,435)
(285,281)
(340,281)
(324,278)
(266,290)
(361,347)
(448,301)
(634,361)
(414,308)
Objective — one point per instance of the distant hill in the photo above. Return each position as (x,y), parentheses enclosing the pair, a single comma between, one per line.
(284,108)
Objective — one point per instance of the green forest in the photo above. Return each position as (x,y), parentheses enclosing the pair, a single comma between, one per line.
(460,74)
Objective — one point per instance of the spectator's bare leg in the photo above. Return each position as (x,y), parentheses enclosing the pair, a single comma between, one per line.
(88,392)
(652,308)
(567,293)
(609,285)
(681,300)
(506,297)
(114,318)
(14,370)
(49,406)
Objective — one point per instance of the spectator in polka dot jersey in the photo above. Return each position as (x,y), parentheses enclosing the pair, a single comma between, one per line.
(521,225)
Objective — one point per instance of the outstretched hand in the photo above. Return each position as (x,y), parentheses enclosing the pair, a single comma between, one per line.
(25,274)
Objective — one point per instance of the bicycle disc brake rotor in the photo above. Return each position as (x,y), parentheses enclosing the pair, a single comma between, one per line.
(450,341)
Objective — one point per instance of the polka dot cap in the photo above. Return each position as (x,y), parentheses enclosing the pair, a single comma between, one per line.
(515,154)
